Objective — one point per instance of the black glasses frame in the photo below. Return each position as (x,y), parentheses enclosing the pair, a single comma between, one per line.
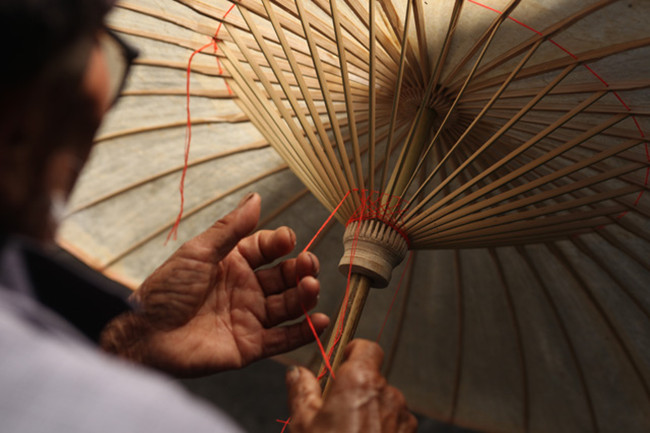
(129,55)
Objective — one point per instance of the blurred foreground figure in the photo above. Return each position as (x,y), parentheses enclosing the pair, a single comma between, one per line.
(75,356)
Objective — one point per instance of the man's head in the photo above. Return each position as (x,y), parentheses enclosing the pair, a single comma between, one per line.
(55,83)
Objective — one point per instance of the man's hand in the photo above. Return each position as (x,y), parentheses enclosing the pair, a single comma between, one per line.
(359,401)
(209,307)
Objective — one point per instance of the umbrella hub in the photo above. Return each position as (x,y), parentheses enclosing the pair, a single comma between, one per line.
(438,102)
(373,248)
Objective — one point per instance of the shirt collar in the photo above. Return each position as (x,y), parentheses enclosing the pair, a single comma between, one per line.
(85,299)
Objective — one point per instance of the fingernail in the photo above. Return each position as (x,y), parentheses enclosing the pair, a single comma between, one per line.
(293,374)
(293,236)
(314,263)
(245,199)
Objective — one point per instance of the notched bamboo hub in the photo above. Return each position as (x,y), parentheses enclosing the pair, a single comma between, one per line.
(378,249)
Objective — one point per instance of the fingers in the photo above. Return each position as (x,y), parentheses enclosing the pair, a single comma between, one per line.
(360,384)
(394,413)
(265,246)
(282,339)
(218,240)
(292,303)
(365,352)
(286,274)
(304,398)
(359,375)
(408,423)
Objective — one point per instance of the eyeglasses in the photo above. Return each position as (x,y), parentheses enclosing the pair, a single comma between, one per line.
(119,59)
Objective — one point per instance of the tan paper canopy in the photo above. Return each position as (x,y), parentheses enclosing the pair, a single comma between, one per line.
(516,137)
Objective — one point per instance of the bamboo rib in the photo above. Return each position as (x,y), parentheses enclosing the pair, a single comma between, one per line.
(420,31)
(467,229)
(196,67)
(572,89)
(639,186)
(414,222)
(332,116)
(202,93)
(552,65)
(478,219)
(397,92)
(550,228)
(372,97)
(465,201)
(543,35)
(517,328)
(460,337)
(605,266)
(620,246)
(343,63)
(387,54)
(322,134)
(209,158)
(302,54)
(283,207)
(579,127)
(574,177)
(236,118)
(324,35)
(607,319)
(167,226)
(446,46)
(476,120)
(263,115)
(586,391)
(533,196)
(383,42)
(397,27)
(422,116)
(557,174)
(496,102)
(482,41)
(553,165)
(305,151)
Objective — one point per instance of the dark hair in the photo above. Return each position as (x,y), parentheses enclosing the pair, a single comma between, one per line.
(43,106)
(33,32)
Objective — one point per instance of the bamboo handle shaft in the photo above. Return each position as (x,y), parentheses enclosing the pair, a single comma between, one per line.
(349,314)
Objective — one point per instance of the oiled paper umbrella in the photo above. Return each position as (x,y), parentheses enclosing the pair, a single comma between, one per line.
(502,142)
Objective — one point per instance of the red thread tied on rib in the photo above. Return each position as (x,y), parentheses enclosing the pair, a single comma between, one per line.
(188,130)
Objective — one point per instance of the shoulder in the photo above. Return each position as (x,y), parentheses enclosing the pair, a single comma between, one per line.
(51,383)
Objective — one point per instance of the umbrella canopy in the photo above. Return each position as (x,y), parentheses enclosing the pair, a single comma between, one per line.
(511,132)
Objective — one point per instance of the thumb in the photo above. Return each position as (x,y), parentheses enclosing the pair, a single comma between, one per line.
(224,234)
(304,398)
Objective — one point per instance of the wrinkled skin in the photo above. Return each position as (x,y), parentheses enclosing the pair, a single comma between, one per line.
(209,307)
(360,400)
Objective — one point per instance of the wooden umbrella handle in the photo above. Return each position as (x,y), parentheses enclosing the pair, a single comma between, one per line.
(372,250)
(346,325)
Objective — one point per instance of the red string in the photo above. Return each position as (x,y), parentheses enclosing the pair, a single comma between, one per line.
(346,298)
(394,300)
(188,130)
(285,422)
(327,222)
